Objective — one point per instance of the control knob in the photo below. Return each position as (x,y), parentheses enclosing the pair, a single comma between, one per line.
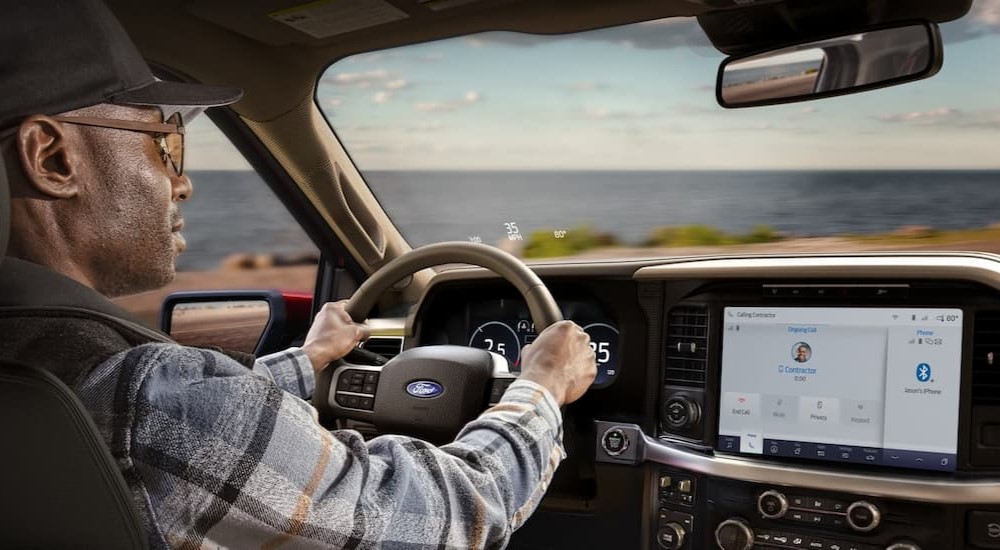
(671,536)
(681,412)
(772,505)
(902,546)
(734,534)
(863,516)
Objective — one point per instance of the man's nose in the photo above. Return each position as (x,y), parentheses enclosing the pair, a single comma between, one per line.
(182,188)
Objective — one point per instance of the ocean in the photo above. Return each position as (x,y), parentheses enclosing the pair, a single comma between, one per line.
(234,212)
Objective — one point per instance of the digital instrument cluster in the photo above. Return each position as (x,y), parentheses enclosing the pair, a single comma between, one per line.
(505,327)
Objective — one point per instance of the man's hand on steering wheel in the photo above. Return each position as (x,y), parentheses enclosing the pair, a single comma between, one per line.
(561,360)
(332,335)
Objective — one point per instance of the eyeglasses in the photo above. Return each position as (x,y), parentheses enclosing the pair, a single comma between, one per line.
(169,135)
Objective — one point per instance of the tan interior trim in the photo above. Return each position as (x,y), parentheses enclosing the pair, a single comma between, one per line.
(321,167)
(922,489)
(980,268)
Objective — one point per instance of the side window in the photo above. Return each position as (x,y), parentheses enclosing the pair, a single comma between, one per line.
(239,235)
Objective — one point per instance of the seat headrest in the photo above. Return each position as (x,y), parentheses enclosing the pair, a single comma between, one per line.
(4,210)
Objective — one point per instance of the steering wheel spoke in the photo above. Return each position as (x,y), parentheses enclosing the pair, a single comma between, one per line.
(355,388)
(502,378)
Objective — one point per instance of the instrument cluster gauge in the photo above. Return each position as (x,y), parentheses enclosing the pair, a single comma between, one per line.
(604,342)
(499,338)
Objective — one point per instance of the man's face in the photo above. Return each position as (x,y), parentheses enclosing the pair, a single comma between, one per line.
(800,353)
(132,206)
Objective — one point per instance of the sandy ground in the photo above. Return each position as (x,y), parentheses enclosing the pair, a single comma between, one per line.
(147,304)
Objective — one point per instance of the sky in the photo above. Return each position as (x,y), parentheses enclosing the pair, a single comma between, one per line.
(641,97)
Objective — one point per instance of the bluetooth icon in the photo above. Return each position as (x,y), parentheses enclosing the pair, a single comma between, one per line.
(923,372)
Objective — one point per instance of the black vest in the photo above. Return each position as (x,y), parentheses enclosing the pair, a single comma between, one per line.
(53,322)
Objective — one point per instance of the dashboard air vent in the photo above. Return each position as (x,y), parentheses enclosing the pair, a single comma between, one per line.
(687,346)
(986,359)
(386,346)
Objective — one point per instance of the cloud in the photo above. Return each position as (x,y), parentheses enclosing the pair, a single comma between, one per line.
(604,113)
(937,116)
(427,126)
(335,101)
(361,80)
(659,34)
(776,128)
(809,110)
(586,86)
(397,84)
(382,97)
(983,19)
(946,117)
(468,99)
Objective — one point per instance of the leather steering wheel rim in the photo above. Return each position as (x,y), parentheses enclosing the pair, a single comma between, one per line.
(542,306)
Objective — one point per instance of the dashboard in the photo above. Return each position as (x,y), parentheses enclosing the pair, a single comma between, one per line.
(834,402)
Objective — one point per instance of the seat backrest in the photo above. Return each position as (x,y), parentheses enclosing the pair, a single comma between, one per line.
(59,485)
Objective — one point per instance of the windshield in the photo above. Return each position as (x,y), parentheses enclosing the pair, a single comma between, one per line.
(610,143)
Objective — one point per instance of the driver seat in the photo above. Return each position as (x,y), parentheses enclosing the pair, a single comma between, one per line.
(61,486)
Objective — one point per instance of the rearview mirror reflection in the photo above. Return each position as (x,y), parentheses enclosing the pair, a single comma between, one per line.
(833,66)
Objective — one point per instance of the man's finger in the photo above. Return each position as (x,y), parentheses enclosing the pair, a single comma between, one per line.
(362,332)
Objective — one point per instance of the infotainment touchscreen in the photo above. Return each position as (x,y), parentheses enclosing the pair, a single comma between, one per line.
(875,386)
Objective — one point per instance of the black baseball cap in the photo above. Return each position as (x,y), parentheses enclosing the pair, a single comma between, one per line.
(61,55)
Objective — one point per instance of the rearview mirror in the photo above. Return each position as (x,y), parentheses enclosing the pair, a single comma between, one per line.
(833,66)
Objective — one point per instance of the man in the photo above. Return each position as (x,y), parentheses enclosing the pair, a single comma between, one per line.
(216,453)
(802,352)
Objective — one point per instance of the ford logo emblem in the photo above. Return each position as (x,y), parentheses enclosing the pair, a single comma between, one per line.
(424,389)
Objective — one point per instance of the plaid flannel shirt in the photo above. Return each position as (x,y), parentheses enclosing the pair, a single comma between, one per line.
(217,455)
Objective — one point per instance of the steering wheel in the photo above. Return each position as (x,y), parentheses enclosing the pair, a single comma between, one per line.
(429,391)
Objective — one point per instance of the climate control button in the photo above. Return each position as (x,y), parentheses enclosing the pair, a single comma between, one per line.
(863,516)
(772,505)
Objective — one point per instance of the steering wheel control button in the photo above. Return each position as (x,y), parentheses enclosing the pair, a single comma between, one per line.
(371,378)
(772,505)
(983,529)
(735,534)
(863,516)
(615,441)
(671,536)
(366,403)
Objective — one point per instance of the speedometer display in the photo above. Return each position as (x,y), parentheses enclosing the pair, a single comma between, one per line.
(498,337)
(505,327)
(604,342)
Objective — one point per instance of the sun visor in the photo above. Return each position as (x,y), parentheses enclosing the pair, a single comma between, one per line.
(748,29)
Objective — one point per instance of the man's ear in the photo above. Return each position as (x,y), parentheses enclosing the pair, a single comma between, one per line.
(48,157)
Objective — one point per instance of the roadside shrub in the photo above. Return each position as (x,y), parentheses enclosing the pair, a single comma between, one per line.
(544,244)
(761,234)
(706,235)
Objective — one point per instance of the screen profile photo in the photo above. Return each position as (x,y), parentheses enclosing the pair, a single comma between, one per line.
(802,352)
